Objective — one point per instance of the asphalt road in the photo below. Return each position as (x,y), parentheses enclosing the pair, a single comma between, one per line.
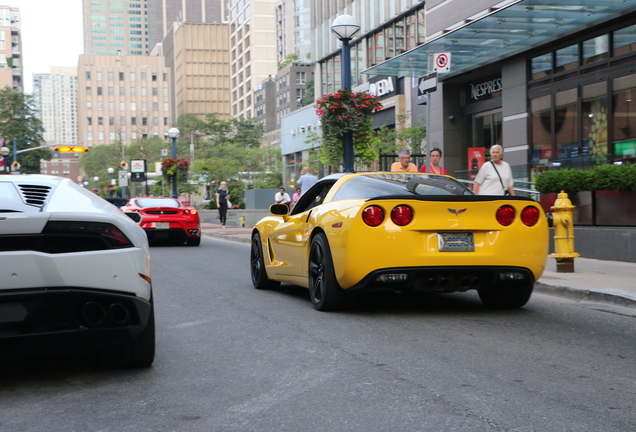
(231,358)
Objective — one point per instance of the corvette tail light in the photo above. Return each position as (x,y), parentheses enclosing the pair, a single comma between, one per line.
(505,215)
(373,215)
(530,216)
(402,215)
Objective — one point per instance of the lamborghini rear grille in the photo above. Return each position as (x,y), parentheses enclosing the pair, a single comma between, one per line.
(34,194)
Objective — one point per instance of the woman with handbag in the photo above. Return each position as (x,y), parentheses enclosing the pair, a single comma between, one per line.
(494,177)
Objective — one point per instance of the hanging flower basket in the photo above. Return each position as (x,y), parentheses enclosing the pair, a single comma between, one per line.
(342,112)
(171,167)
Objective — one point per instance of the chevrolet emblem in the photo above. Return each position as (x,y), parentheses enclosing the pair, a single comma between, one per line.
(457,212)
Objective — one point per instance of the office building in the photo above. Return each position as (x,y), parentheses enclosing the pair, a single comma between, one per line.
(55,96)
(122,98)
(10,48)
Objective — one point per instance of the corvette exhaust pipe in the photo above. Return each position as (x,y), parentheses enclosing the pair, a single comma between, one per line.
(443,282)
(430,283)
(475,283)
(118,314)
(93,313)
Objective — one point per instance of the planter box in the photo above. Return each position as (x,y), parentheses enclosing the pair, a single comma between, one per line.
(584,202)
(615,208)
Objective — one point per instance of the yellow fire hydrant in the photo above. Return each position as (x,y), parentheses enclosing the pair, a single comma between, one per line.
(563,222)
(242,220)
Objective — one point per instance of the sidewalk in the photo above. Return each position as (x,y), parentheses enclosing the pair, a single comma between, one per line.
(594,280)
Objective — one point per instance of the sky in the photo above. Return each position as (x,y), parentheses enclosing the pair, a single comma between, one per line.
(51,35)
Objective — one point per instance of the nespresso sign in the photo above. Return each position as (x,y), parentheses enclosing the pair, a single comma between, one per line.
(484,89)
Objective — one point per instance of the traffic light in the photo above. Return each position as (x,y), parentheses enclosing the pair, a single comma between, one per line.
(71,149)
(123,165)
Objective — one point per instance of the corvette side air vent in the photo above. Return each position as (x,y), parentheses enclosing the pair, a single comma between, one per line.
(34,194)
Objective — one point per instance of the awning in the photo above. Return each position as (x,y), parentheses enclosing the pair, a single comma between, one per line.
(502,33)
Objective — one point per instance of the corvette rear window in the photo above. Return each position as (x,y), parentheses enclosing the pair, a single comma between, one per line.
(375,185)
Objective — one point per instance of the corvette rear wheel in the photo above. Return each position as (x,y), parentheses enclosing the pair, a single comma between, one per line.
(257,265)
(324,291)
(506,298)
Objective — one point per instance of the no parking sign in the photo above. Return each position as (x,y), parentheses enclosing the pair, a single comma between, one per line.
(442,62)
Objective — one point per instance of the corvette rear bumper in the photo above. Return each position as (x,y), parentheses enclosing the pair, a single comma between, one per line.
(444,279)
(57,320)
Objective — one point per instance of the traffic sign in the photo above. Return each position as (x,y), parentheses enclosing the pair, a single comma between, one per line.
(123,178)
(442,62)
(164,152)
(427,84)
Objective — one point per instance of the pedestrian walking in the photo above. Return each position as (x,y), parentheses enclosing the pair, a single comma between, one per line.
(434,167)
(223,202)
(404,164)
(495,176)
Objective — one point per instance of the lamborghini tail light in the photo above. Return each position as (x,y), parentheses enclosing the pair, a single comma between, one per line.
(402,215)
(530,216)
(373,215)
(505,215)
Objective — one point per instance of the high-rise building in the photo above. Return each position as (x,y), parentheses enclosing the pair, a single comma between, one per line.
(122,98)
(10,48)
(252,51)
(133,27)
(115,27)
(163,13)
(55,96)
(198,57)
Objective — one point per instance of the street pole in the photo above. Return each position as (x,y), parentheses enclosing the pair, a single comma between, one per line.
(345,27)
(174,134)
(15,149)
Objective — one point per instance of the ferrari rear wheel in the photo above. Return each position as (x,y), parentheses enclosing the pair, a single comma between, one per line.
(506,298)
(257,265)
(324,291)
(196,241)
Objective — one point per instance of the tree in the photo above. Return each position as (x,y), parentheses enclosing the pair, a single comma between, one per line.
(391,140)
(18,120)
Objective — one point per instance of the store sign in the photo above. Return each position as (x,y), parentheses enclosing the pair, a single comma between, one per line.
(383,87)
(485,89)
(138,170)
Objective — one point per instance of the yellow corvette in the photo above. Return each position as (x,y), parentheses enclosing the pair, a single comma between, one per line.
(401,231)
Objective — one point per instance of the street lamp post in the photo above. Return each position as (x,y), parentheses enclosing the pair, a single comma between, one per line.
(96,180)
(111,171)
(345,28)
(174,134)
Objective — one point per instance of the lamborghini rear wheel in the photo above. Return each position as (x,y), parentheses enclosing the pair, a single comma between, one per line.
(324,291)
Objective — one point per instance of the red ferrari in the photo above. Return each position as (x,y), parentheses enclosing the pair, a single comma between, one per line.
(166,219)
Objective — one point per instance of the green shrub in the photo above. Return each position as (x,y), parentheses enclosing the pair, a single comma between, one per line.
(603,177)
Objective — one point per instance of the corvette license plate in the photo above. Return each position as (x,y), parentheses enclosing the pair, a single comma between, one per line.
(162,225)
(456,242)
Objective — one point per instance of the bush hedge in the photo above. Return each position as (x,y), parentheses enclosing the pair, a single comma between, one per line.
(603,177)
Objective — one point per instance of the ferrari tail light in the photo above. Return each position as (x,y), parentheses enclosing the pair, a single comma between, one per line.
(191,211)
(505,215)
(402,215)
(373,215)
(530,216)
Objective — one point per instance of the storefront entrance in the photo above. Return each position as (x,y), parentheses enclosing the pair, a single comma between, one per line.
(487,128)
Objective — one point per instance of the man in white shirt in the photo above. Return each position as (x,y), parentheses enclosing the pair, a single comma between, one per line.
(494,177)
(282,197)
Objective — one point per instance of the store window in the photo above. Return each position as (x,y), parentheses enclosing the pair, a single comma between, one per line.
(565,124)
(596,49)
(567,58)
(487,129)
(625,40)
(624,117)
(541,129)
(594,121)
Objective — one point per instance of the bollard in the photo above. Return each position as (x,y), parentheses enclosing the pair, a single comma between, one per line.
(242,221)
(563,222)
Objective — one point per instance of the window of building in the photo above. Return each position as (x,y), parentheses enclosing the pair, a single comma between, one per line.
(133,121)
(100,121)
